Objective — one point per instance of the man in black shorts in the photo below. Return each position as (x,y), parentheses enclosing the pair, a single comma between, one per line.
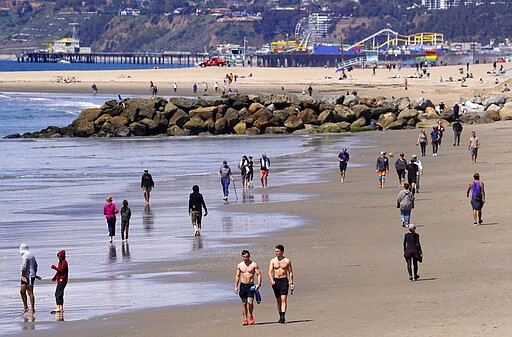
(343,158)
(245,272)
(412,174)
(28,276)
(280,273)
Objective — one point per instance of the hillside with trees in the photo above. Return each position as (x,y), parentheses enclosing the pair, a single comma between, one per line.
(162,25)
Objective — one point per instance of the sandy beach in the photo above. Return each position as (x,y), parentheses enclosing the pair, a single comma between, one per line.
(324,81)
(350,275)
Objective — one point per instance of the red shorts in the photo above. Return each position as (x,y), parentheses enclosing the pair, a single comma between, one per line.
(263,173)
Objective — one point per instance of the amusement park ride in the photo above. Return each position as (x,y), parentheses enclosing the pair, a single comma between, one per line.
(385,41)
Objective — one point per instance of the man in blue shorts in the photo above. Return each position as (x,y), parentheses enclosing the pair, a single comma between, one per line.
(245,272)
(343,158)
(280,273)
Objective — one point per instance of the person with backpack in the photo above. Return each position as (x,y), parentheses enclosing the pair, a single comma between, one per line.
(405,201)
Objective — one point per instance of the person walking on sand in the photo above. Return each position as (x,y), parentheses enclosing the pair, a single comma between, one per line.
(226,176)
(419,173)
(440,131)
(61,276)
(110,210)
(280,273)
(94,88)
(250,172)
(264,169)
(457,130)
(245,272)
(126,215)
(382,167)
(412,174)
(147,184)
(412,252)
(175,87)
(244,170)
(343,158)
(195,209)
(434,140)
(476,187)
(310,90)
(400,166)
(473,146)
(423,142)
(405,202)
(28,277)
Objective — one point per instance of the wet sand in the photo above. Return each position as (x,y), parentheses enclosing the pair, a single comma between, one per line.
(350,275)
(266,80)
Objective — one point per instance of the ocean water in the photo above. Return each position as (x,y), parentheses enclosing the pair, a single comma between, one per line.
(54,190)
(10,65)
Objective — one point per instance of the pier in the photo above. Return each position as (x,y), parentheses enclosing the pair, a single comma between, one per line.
(130,58)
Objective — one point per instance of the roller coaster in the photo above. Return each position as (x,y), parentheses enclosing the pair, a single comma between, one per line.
(386,39)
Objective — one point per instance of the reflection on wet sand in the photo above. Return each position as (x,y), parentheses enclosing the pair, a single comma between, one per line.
(147,218)
(29,322)
(197,243)
(227,224)
(112,254)
(264,197)
(125,250)
(247,198)
(59,316)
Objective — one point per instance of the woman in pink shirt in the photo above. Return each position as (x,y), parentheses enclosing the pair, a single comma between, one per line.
(110,210)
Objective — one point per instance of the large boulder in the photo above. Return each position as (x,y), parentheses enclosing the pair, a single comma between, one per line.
(262,122)
(361,110)
(429,114)
(293,123)
(329,128)
(255,107)
(326,116)
(386,119)
(350,100)
(195,125)
(118,122)
(221,126)
(360,122)
(310,103)
(275,130)
(141,107)
(206,101)
(279,101)
(506,111)
(308,116)
(404,103)
(332,99)
(496,100)
(170,109)
(408,114)
(179,118)
(88,115)
(232,117)
(343,114)
(84,129)
(422,103)
(183,103)
(240,128)
(279,117)
(397,124)
(138,129)
(175,130)
(204,112)
(493,112)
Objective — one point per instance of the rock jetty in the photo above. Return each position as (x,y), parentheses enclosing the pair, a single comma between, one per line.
(273,114)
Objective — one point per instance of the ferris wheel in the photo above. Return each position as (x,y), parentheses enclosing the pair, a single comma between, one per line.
(305,31)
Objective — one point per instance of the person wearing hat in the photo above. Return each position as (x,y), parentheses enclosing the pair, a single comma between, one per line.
(440,130)
(147,184)
(343,158)
(382,167)
(412,252)
(61,276)
(28,277)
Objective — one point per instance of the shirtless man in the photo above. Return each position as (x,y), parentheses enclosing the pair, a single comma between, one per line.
(245,272)
(280,273)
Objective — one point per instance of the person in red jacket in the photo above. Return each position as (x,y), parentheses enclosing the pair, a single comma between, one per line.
(61,276)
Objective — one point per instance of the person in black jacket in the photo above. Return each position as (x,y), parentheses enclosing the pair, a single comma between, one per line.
(195,209)
(147,184)
(457,130)
(412,251)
